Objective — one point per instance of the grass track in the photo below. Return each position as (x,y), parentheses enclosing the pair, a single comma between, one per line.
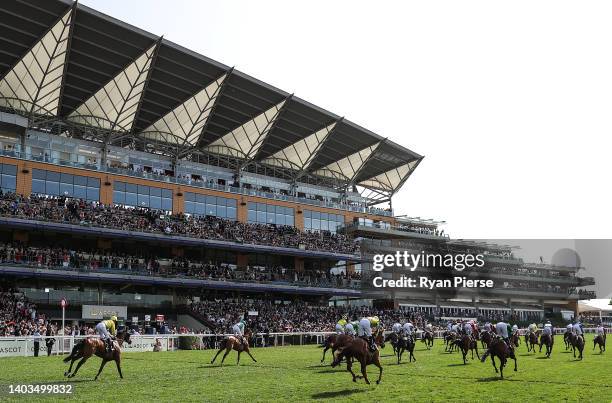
(294,374)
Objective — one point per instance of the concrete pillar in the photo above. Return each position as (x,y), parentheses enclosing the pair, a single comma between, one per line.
(299,217)
(24,178)
(242,210)
(178,201)
(299,264)
(106,190)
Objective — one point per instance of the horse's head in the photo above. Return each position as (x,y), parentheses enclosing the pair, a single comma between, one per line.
(248,333)
(124,336)
(379,337)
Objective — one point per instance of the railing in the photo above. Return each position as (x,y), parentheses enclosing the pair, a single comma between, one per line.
(24,346)
(393,228)
(327,283)
(195,183)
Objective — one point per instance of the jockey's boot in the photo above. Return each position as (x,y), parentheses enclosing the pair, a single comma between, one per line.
(109,345)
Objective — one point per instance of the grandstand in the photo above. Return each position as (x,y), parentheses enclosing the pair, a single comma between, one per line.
(137,173)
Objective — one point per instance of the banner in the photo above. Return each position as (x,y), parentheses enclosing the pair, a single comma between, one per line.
(100,312)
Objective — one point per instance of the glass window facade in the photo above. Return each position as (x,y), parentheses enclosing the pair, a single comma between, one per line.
(203,205)
(8,177)
(270,214)
(61,184)
(317,221)
(129,194)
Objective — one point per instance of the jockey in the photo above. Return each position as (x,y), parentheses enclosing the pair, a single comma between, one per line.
(351,328)
(428,327)
(107,329)
(569,328)
(449,326)
(467,329)
(397,328)
(341,324)
(532,328)
(407,328)
(548,328)
(502,331)
(487,326)
(365,330)
(238,330)
(601,331)
(578,329)
(514,329)
(455,328)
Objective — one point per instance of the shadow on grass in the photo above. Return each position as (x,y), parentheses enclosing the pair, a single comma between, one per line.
(460,364)
(337,393)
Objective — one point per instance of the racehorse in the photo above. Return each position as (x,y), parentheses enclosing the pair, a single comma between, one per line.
(515,339)
(548,341)
(501,350)
(234,343)
(466,343)
(428,339)
(566,340)
(334,342)
(449,339)
(601,340)
(358,350)
(85,348)
(393,337)
(577,342)
(405,343)
(486,338)
(531,340)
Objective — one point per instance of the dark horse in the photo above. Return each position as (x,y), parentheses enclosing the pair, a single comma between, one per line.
(531,340)
(501,350)
(577,342)
(401,344)
(234,343)
(601,340)
(449,339)
(428,339)
(486,338)
(85,348)
(547,340)
(358,350)
(515,339)
(466,343)
(566,340)
(334,342)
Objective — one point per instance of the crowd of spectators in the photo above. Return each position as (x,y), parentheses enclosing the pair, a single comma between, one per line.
(18,316)
(70,259)
(74,211)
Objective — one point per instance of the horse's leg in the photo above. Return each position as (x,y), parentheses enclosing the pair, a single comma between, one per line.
(238,359)
(380,370)
(324,351)
(349,368)
(493,362)
(227,351)
(216,355)
(364,373)
(464,352)
(104,361)
(78,366)
(118,362)
(70,369)
(248,351)
(501,367)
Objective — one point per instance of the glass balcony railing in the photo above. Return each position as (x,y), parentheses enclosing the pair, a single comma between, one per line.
(47,158)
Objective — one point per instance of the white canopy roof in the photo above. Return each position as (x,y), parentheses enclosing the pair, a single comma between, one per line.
(594,305)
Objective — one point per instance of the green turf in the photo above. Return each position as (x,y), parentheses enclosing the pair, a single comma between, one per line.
(295,374)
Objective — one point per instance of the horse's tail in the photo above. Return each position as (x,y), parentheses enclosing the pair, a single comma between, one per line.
(75,351)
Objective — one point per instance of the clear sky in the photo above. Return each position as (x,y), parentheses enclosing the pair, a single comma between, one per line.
(510,102)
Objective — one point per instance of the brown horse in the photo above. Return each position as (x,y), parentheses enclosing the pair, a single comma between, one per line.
(515,339)
(85,348)
(234,343)
(601,340)
(466,343)
(486,337)
(577,342)
(400,344)
(428,339)
(449,340)
(501,350)
(548,341)
(531,340)
(358,350)
(334,342)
